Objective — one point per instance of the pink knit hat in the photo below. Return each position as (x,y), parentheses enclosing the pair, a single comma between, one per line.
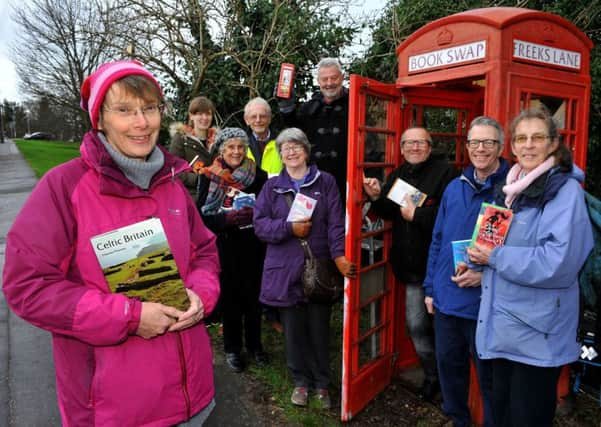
(94,88)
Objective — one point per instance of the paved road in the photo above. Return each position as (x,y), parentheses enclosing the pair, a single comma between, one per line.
(27,387)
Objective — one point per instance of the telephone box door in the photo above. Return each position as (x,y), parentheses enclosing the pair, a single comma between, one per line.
(368,348)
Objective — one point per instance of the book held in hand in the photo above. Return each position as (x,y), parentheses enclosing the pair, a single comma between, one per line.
(492,225)
(243,200)
(302,207)
(401,188)
(136,260)
(460,255)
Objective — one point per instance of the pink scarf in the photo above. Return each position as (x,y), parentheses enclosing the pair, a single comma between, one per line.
(517,181)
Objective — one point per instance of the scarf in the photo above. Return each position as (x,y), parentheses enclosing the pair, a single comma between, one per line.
(140,173)
(222,178)
(517,181)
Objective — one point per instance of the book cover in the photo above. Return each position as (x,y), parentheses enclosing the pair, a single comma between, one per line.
(400,188)
(460,254)
(492,225)
(285,82)
(243,200)
(136,260)
(302,207)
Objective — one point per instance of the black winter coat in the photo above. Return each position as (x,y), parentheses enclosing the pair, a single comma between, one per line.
(411,240)
(326,126)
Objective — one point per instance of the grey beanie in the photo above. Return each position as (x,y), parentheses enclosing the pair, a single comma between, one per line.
(228,133)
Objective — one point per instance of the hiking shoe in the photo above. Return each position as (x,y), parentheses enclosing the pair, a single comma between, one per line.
(234,361)
(299,396)
(323,397)
(428,390)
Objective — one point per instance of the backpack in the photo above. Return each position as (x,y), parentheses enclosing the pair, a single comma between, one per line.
(589,277)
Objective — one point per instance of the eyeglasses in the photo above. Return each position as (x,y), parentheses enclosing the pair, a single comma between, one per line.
(416,142)
(486,143)
(125,111)
(537,138)
(292,149)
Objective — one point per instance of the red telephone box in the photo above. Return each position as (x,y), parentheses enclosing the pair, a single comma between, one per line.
(494,62)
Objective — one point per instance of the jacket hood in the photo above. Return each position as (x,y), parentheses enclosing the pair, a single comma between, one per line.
(179,128)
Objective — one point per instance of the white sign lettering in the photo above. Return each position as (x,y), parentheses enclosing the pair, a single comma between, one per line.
(449,56)
(546,54)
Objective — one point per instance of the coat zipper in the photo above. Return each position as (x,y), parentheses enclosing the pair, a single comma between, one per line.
(182,364)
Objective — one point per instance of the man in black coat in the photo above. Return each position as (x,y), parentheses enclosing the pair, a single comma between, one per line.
(411,235)
(324,119)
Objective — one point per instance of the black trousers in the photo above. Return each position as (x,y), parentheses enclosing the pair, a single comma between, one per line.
(523,395)
(307,338)
(241,312)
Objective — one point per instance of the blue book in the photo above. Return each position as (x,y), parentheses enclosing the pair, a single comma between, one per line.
(460,253)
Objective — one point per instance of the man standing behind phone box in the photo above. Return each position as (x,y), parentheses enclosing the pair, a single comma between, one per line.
(411,235)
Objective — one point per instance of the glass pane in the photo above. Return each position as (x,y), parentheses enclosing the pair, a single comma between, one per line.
(440,119)
(556,106)
(375,114)
(369,349)
(373,282)
(372,248)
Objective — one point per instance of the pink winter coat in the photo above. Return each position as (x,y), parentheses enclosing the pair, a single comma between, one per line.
(105,375)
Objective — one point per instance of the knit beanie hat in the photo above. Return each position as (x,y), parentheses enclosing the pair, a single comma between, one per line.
(94,88)
(228,133)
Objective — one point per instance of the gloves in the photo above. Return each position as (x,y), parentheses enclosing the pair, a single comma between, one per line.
(286,105)
(240,217)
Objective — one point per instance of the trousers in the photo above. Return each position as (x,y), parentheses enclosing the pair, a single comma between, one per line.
(420,328)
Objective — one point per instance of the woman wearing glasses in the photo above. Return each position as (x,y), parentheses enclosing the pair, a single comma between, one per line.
(529,310)
(306,324)
(119,361)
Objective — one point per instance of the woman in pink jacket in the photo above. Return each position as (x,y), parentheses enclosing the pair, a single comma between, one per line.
(119,361)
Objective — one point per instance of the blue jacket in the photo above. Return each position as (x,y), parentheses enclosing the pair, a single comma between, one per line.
(530,294)
(281,285)
(456,220)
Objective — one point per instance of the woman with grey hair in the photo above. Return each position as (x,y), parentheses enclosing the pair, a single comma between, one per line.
(306,323)
(227,190)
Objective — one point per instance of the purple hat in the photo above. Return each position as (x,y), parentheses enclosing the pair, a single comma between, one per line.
(94,88)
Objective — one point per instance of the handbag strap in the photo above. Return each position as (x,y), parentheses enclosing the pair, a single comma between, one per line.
(303,242)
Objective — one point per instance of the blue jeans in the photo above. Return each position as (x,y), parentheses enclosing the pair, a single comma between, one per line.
(455,342)
(419,326)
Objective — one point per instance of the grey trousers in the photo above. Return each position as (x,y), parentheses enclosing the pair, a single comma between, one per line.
(307,338)
(421,331)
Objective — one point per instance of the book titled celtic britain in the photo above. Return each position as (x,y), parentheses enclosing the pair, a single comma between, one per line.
(136,260)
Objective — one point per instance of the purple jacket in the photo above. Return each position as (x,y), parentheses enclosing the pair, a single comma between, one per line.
(281,285)
(105,374)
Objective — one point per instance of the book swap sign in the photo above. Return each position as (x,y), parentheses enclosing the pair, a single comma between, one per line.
(454,55)
(136,260)
(492,225)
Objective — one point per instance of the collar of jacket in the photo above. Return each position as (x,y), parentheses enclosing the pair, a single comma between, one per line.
(415,168)
(112,179)
(542,189)
(284,183)
(498,177)
(318,96)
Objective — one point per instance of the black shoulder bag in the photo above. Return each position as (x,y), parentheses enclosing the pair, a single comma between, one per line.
(322,282)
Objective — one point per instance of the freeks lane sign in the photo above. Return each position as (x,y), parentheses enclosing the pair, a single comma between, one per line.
(546,54)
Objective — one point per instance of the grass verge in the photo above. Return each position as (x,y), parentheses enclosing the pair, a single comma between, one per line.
(44,155)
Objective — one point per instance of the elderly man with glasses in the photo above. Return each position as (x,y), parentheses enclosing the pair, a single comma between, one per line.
(454,297)
(411,234)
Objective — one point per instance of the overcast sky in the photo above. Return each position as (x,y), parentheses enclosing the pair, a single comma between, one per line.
(8,76)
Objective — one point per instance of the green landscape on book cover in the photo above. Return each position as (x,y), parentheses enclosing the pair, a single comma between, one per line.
(136,260)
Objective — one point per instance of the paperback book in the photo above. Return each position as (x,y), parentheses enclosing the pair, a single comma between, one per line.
(302,207)
(401,188)
(136,260)
(492,225)
(460,255)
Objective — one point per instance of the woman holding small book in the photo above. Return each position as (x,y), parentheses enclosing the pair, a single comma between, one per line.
(119,361)
(529,309)
(306,324)
(227,189)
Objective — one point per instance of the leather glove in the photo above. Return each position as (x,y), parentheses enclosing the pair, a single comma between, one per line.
(245,216)
(346,267)
(286,105)
(301,229)
(231,218)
